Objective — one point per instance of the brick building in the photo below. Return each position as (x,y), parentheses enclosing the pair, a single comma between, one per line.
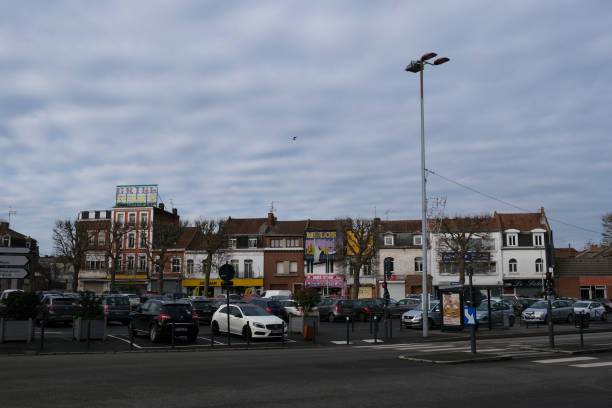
(583,274)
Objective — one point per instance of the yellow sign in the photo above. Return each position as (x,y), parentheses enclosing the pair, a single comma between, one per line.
(365,292)
(352,248)
(217,282)
(127,277)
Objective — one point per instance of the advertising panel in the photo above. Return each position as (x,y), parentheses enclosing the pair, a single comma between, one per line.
(330,281)
(320,246)
(136,195)
(451,309)
(353,247)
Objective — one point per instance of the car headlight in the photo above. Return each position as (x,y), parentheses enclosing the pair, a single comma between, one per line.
(259,325)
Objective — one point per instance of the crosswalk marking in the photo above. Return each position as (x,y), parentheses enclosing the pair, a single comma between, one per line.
(340,342)
(589,365)
(372,341)
(563,360)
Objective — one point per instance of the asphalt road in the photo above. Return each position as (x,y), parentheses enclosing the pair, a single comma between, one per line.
(356,376)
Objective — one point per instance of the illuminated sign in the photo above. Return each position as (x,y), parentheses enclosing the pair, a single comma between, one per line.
(320,246)
(136,195)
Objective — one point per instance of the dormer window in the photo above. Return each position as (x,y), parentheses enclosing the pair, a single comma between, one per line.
(538,239)
(417,240)
(231,243)
(252,242)
(389,240)
(511,239)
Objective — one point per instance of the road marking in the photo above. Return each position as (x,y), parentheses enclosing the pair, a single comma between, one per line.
(603,364)
(127,341)
(340,342)
(563,360)
(208,340)
(372,341)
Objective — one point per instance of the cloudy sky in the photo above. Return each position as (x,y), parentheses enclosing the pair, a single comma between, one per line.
(205,98)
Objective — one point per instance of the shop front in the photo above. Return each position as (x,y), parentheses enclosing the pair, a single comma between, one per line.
(327,284)
(195,287)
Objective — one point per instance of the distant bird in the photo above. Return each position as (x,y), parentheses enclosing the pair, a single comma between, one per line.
(294,137)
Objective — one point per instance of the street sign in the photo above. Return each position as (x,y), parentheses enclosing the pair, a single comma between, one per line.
(13,273)
(469,316)
(14,250)
(13,260)
(226,272)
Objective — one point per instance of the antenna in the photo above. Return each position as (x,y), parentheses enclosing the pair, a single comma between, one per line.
(171,203)
(387,214)
(272,209)
(11,212)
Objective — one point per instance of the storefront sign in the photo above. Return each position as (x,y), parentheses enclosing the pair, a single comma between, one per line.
(331,281)
(136,195)
(217,282)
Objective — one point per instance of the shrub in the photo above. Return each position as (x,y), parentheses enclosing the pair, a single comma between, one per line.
(90,306)
(307,299)
(21,306)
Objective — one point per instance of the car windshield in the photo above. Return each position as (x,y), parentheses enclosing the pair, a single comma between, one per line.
(581,304)
(485,306)
(431,306)
(252,310)
(541,304)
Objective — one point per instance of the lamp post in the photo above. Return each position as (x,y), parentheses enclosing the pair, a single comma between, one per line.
(419,66)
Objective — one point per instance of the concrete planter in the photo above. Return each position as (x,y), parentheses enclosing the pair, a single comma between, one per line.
(97,329)
(16,330)
(297,323)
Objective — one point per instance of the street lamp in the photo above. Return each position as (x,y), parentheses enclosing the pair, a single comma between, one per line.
(419,66)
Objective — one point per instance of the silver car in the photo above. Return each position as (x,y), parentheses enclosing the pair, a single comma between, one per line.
(414,317)
(500,312)
(592,310)
(562,311)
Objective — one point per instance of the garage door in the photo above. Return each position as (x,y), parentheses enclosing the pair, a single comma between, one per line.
(397,290)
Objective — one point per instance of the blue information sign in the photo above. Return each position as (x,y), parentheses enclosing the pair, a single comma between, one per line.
(469,316)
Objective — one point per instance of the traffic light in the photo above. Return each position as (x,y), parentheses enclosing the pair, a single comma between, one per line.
(549,284)
(384,285)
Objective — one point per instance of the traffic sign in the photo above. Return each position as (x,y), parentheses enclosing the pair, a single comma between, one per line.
(13,273)
(469,316)
(226,272)
(14,250)
(13,260)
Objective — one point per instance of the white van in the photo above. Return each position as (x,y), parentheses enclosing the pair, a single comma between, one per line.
(282,293)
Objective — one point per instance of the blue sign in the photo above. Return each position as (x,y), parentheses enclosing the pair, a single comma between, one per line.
(469,316)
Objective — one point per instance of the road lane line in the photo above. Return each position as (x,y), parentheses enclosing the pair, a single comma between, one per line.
(127,341)
(590,365)
(563,360)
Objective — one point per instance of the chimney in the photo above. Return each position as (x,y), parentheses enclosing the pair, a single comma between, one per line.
(161,206)
(594,248)
(542,216)
(271,219)
(175,211)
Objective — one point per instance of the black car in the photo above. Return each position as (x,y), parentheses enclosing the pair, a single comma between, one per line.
(156,318)
(116,308)
(338,309)
(370,308)
(204,308)
(272,306)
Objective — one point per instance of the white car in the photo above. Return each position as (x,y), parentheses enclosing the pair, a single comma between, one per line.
(248,321)
(592,310)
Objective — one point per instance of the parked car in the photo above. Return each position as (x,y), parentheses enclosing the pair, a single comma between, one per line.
(156,318)
(562,311)
(57,309)
(175,295)
(414,317)
(248,320)
(134,300)
(325,305)
(370,308)
(339,309)
(592,310)
(399,307)
(273,306)
(607,303)
(204,308)
(6,293)
(290,306)
(524,303)
(116,308)
(499,311)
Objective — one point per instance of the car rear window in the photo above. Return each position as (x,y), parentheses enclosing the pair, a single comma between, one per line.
(176,310)
(117,301)
(202,305)
(62,301)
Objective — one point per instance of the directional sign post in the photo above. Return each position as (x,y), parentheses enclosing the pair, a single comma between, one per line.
(469,316)
(13,264)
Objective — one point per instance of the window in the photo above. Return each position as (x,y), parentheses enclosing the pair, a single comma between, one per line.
(248,268)
(144,219)
(189,266)
(448,268)
(418,264)
(293,243)
(102,238)
(132,219)
(176,265)
(308,266)
(388,240)
(131,240)
(119,264)
(293,269)
(252,242)
(511,239)
(231,243)
(488,244)
(417,240)
(329,266)
(512,266)
(538,239)
(143,239)
(130,263)
(121,219)
(142,263)
(539,265)
(5,241)
(388,265)
(91,238)
(280,268)
(367,270)
(236,264)
(276,243)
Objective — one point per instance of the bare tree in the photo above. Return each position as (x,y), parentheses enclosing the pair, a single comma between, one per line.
(359,246)
(113,250)
(214,239)
(165,237)
(463,242)
(606,235)
(70,243)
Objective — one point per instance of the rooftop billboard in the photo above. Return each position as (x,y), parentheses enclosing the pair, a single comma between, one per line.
(136,195)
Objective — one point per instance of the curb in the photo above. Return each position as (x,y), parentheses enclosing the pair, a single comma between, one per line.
(468,360)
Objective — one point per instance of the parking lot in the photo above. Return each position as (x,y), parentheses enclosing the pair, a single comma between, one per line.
(58,338)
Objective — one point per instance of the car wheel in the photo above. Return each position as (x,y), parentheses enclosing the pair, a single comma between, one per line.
(215,328)
(570,318)
(246,333)
(154,333)
(331,318)
(511,321)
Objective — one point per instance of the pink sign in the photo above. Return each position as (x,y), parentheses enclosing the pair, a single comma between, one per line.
(332,281)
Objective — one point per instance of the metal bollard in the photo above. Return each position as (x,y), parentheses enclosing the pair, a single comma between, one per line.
(581,329)
(390,327)
(283,335)
(352,324)
(370,324)
(88,333)
(347,331)
(172,334)
(314,333)
(375,330)
(212,336)
(42,335)
(248,334)
(131,334)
